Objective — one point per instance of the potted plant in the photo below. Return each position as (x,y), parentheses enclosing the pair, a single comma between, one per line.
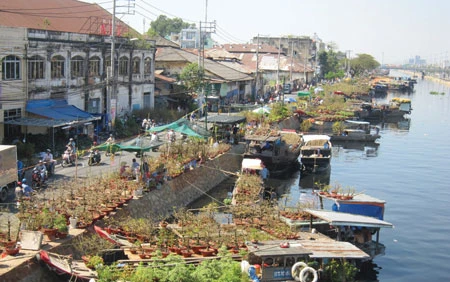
(94,262)
(60,223)
(48,223)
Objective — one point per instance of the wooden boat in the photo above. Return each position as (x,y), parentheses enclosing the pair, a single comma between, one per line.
(395,110)
(280,260)
(315,153)
(64,266)
(113,238)
(278,155)
(250,173)
(360,227)
(356,131)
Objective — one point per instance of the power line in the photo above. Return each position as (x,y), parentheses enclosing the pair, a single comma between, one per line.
(231,36)
(167,13)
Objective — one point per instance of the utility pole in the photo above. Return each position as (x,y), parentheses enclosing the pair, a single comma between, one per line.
(206,27)
(304,63)
(257,67)
(292,57)
(111,103)
(278,63)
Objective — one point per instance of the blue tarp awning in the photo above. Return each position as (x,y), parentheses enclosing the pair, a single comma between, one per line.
(58,110)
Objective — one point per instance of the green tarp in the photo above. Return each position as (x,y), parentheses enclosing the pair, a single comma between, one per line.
(138,144)
(303,93)
(183,126)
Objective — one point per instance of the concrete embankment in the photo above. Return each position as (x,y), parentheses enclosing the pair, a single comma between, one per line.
(178,192)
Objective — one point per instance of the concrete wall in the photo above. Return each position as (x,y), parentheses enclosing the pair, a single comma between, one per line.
(186,188)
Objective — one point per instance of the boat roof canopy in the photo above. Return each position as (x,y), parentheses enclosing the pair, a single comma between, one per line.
(348,219)
(311,248)
(261,138)
(308,138)
(357,122)
(255,164)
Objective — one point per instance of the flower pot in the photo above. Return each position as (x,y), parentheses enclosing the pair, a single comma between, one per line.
(73,222)
(61,235)
(207,252)
(50,233)
(196,249)
(12,251)
(186,253)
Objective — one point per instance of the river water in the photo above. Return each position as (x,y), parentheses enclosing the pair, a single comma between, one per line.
(410,170)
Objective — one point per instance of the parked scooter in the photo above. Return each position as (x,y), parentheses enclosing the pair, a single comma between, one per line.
(94,157)
(37,181)
(68,158)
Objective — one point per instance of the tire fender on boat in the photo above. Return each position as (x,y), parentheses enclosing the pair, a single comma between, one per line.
(304,274)
(295,270)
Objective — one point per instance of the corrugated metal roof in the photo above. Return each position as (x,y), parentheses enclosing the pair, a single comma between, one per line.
(335,249)
(311,248)
(247,48)
(59,15)
(348,219)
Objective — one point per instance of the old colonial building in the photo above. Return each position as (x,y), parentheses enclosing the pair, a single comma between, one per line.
(56,71)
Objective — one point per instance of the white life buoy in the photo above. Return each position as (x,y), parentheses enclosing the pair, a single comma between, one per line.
(245,265)
(295,270)
(304,274)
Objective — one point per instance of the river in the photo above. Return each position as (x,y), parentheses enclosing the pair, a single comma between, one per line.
(410,171)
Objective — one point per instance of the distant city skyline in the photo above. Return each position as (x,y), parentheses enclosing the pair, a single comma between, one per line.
(391,31)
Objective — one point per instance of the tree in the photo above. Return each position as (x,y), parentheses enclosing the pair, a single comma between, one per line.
(329,63)
(363,63)
(165,26)
(192,77)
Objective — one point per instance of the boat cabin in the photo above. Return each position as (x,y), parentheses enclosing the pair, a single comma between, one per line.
(265,145)
(276,259)
(316,146)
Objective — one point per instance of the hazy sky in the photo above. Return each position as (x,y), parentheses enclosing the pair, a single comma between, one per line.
(390,30)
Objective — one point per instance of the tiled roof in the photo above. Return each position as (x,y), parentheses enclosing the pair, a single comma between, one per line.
(59,15)
(168,54)
(247,48)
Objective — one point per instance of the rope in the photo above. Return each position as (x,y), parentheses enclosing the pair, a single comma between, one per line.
(204,193)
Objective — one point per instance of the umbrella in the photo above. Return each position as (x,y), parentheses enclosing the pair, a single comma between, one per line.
(290,100)
(262,110)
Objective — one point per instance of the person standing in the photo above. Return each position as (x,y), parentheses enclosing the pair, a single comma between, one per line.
(264,173)
(135,168)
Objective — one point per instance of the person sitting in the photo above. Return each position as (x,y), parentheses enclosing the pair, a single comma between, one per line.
(266,146)
(27,190)
(72,144)
(42,170)
(48,160)
(110,140)
(326,145)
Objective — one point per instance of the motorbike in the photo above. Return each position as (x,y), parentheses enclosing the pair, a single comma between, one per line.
(68,158)
(94,158)
(36,179)
(50,165)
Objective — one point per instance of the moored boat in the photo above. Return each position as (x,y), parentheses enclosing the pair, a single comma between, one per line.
(315,153)
(113,238)
(65,266)
(279,153)
(356,131)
